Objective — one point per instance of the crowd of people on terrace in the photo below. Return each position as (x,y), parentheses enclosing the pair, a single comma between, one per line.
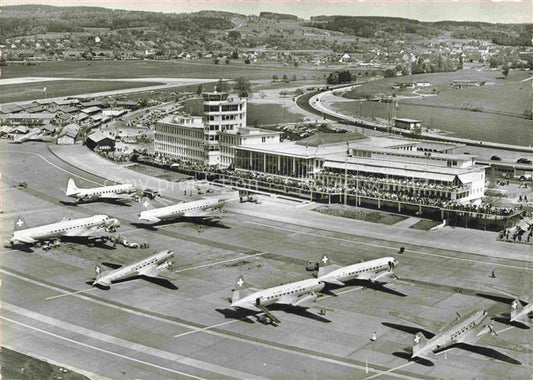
(405,182)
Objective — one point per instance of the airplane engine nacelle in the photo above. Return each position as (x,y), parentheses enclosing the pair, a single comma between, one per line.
(306,299)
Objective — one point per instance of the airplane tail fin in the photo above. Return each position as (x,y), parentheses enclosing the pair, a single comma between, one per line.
(99,272)
(241,289)
(324,266)
(147,205)
(20,223)
(71,187)
(516,308)
(419,341)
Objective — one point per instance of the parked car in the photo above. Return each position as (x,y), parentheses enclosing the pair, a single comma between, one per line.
(523,160)
(495,158)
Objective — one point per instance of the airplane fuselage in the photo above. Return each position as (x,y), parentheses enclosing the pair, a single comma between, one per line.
(187,209)
(272,295)
(71,227)
(352,272)
(102,192)
(452,334)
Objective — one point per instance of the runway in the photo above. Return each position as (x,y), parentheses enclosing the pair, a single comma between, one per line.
(150,331)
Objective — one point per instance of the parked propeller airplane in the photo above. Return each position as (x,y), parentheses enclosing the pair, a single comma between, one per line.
(377,271)
(196,209)
(461,333)
(300,294)
(83,227)
(153,267)
(124,192)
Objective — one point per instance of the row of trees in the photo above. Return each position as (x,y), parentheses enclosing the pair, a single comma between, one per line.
(338,77)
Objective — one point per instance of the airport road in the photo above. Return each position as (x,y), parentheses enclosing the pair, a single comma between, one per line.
(149,329)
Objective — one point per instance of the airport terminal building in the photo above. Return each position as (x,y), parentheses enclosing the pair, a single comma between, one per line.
(375,167)
(209,140)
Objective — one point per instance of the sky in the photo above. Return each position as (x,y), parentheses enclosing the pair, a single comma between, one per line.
(505,11)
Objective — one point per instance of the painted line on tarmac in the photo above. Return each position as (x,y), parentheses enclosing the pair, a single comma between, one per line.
(10,214)
(388,371)
(270,345)
(100,349)
(504,330)
(220,262)
(206,328)
(391,248)
(130,345)
(70,294)
(52,164)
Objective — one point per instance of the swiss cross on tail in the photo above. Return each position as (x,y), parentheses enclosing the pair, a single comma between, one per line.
(324,260)
(240,283)
(20,224)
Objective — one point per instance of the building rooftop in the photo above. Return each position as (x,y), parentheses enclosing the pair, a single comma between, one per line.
(330,138)
(414,153)
(188,121)
(70,130)
(99,136)
(26,115)
(250,131)
(399,168)
(405,120)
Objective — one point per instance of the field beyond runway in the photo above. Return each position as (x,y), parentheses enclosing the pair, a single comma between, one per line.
(139,329)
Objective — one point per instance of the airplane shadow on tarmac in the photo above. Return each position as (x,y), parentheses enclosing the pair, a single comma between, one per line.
(407,356)
(243,314)
(365,284)
(197,221)
(87,241)
(109,201)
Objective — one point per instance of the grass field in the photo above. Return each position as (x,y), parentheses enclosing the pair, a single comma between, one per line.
(15,365)
(360,214)
(256,115)
(161,69)
(31,91)
(509,95)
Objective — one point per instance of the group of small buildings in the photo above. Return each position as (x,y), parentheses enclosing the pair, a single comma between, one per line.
(65,120)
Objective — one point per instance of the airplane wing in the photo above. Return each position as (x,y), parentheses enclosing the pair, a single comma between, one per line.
(424,323)
(304,301)
(25,239)
(151,219)
(92,231)
(332,281)
(199,213)
(157,273)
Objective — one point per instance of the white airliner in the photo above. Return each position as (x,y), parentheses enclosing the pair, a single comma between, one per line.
(92,226)
(196,209)
(300,294)
(377,271)
(466,330)
(125,192)
(152,266)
